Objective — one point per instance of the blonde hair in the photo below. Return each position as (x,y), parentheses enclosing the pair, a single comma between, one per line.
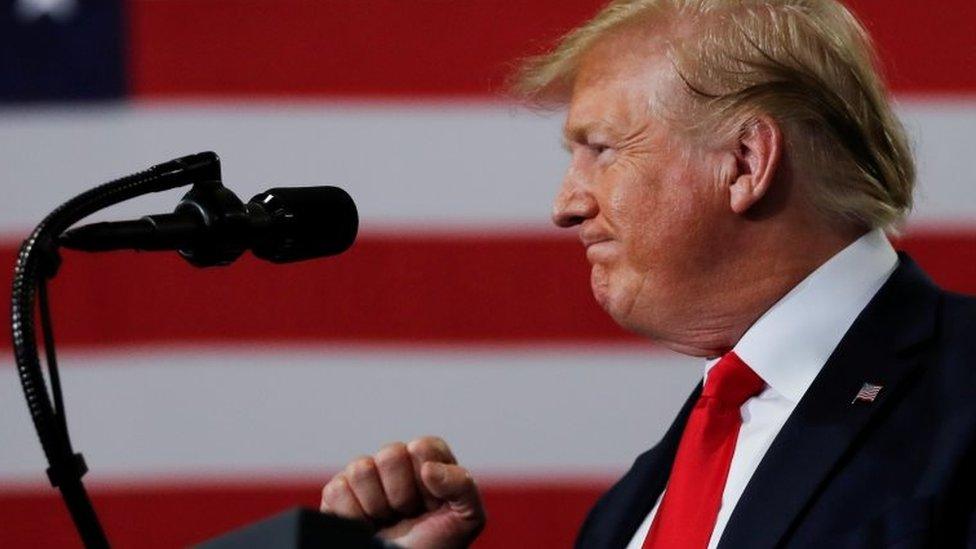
(809,64)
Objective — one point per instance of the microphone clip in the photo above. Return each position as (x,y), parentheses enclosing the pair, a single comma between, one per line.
(221,218)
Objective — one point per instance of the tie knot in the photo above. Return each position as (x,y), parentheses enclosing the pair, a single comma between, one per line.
(732,382)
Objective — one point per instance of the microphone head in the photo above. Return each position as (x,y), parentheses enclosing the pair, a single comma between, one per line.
(296,223)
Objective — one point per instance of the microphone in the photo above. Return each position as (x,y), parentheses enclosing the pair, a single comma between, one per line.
(211,226)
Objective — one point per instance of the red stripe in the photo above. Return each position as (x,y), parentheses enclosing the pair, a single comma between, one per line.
(388,48)
(387,289)
(397,289)
(519,516)
(927,47)
(344,48)
(948,256)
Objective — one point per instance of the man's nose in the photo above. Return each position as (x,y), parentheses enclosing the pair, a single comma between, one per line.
(574,204)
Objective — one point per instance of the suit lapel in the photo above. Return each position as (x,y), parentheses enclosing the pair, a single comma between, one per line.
(621,511)
(881,348)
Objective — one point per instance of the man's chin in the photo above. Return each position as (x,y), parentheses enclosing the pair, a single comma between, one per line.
(613,306)
(600,287)
(614,298)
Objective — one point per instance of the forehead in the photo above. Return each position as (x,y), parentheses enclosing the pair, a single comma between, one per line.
(619,81)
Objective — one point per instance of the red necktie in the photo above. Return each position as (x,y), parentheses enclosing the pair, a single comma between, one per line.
(686,516)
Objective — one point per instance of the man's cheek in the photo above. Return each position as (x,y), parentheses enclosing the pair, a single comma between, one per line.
(641,254)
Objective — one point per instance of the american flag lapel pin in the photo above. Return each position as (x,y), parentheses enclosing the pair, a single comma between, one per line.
(868,393)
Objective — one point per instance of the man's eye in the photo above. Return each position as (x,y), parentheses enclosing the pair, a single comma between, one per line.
(598,148)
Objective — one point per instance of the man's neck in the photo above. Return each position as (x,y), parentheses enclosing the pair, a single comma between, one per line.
(773,264)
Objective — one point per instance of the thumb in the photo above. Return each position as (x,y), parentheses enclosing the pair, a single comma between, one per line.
(454,485)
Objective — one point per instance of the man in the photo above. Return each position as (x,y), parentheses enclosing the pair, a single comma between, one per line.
(735,165)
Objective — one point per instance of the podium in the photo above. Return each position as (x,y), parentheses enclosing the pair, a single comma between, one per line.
(299,528)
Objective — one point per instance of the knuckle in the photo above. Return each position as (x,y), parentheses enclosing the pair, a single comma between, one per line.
(438,443)
(415,445)
(392,453)
(428,443)
(361,468)
(333,490)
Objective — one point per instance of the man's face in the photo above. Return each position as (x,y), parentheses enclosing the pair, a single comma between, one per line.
(652,205)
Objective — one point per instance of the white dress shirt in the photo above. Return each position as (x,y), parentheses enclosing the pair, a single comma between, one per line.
(787,347)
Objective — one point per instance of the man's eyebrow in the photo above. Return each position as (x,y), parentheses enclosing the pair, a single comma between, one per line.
(579,133)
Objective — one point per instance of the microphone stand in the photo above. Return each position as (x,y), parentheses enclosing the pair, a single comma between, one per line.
(226,220)
(37,263)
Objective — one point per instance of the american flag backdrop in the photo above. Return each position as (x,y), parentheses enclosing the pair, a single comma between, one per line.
(204,399)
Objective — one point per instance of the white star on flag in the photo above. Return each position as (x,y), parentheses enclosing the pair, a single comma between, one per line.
(32,10)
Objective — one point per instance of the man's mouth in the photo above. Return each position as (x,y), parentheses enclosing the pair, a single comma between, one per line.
(600,250)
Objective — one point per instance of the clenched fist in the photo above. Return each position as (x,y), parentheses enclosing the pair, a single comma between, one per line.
(415,494)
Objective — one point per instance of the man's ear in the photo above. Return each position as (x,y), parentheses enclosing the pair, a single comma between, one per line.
(758,152)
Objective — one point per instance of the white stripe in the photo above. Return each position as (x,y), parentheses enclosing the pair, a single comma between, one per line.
(468,164)
(543,412)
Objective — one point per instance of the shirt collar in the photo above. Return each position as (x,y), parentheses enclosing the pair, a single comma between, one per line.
(791,341)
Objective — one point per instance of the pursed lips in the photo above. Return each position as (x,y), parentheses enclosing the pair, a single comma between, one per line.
(590,238)
(597,246)
(587,242)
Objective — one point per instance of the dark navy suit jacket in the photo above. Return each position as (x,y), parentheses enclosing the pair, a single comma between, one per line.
(896,472)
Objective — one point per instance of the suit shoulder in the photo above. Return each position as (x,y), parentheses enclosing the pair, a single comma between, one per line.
(958,324)
(960,306)
(952,360)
